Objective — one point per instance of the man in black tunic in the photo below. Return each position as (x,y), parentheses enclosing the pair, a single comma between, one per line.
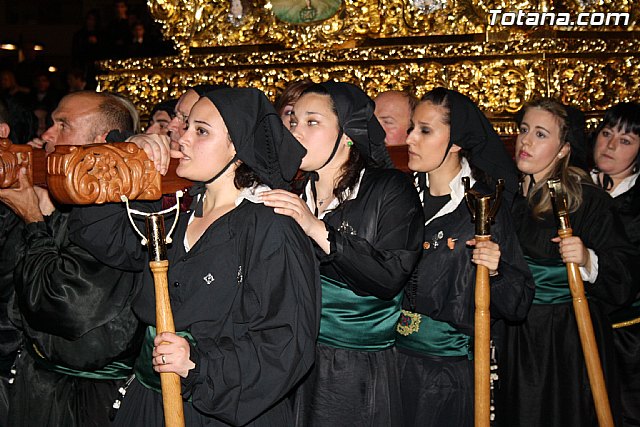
(80,335)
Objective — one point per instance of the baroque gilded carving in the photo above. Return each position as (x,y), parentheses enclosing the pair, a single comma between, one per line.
(12,159)
(392,44)
(101,173)
(216,23)
(500,76)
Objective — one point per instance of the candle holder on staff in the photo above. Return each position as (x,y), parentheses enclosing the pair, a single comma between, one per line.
(156,241)
(483,210)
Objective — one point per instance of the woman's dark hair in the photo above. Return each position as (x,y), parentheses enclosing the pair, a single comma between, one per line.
(354,164)
(624,116)
(245,177)
(291,94)
(440,97)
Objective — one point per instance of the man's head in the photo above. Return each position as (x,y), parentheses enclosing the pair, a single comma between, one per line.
(76,80)
(161,115)
(83,118)
(177,125)
(393,110)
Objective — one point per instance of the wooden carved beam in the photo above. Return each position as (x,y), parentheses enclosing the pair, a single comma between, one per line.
(12,158)
(101,173)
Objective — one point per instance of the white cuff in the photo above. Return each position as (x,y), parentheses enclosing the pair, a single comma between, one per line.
(593,264)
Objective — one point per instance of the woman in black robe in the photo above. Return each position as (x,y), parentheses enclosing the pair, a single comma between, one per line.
(544,380)
(617,159)
(450,139)
(244,285)
(366,224)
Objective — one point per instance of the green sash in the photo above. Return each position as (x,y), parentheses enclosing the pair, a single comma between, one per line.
(118,370)
(356,322)
(436,338)
(550,276)
(144,366)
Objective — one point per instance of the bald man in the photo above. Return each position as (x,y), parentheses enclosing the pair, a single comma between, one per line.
(393,111)
(80,334)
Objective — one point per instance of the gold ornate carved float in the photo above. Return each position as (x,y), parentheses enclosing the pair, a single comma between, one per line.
(391,44)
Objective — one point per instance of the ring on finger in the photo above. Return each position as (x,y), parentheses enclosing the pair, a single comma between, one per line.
(164,362)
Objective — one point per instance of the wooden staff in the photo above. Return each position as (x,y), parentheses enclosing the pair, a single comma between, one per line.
(169,381)
(483,213)
(581,308)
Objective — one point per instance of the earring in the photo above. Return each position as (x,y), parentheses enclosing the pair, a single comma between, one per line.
(349,143)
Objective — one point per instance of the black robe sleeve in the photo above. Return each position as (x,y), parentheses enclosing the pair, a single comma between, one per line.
(446,276)
(599,227)
(378,257)
(601,230)
(241,373)
(75,309)
(10,335)
(107,234)
(512,290)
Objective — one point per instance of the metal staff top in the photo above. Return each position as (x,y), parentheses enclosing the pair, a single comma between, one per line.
(483,213)
(559,202)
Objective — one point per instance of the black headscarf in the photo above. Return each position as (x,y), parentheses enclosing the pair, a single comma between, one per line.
(259,137)
(356,120)
(471,130)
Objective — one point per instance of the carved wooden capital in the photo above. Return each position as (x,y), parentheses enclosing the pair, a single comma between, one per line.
(12,158)
(101,173)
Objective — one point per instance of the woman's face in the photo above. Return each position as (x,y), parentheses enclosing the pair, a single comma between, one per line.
(315,125)
(538,146)
(428,138)
(205,145)
(616,151)
(286,115)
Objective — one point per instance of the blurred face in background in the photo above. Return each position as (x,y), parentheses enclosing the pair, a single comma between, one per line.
(178,125)
(393,111)
(616,151)
(159,123)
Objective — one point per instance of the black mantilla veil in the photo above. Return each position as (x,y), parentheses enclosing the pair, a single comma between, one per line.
(356,120)
(471,131)
(259,137)
(355,110)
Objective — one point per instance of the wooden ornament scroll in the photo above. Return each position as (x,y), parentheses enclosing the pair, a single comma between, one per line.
(12,159)
(101,173)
